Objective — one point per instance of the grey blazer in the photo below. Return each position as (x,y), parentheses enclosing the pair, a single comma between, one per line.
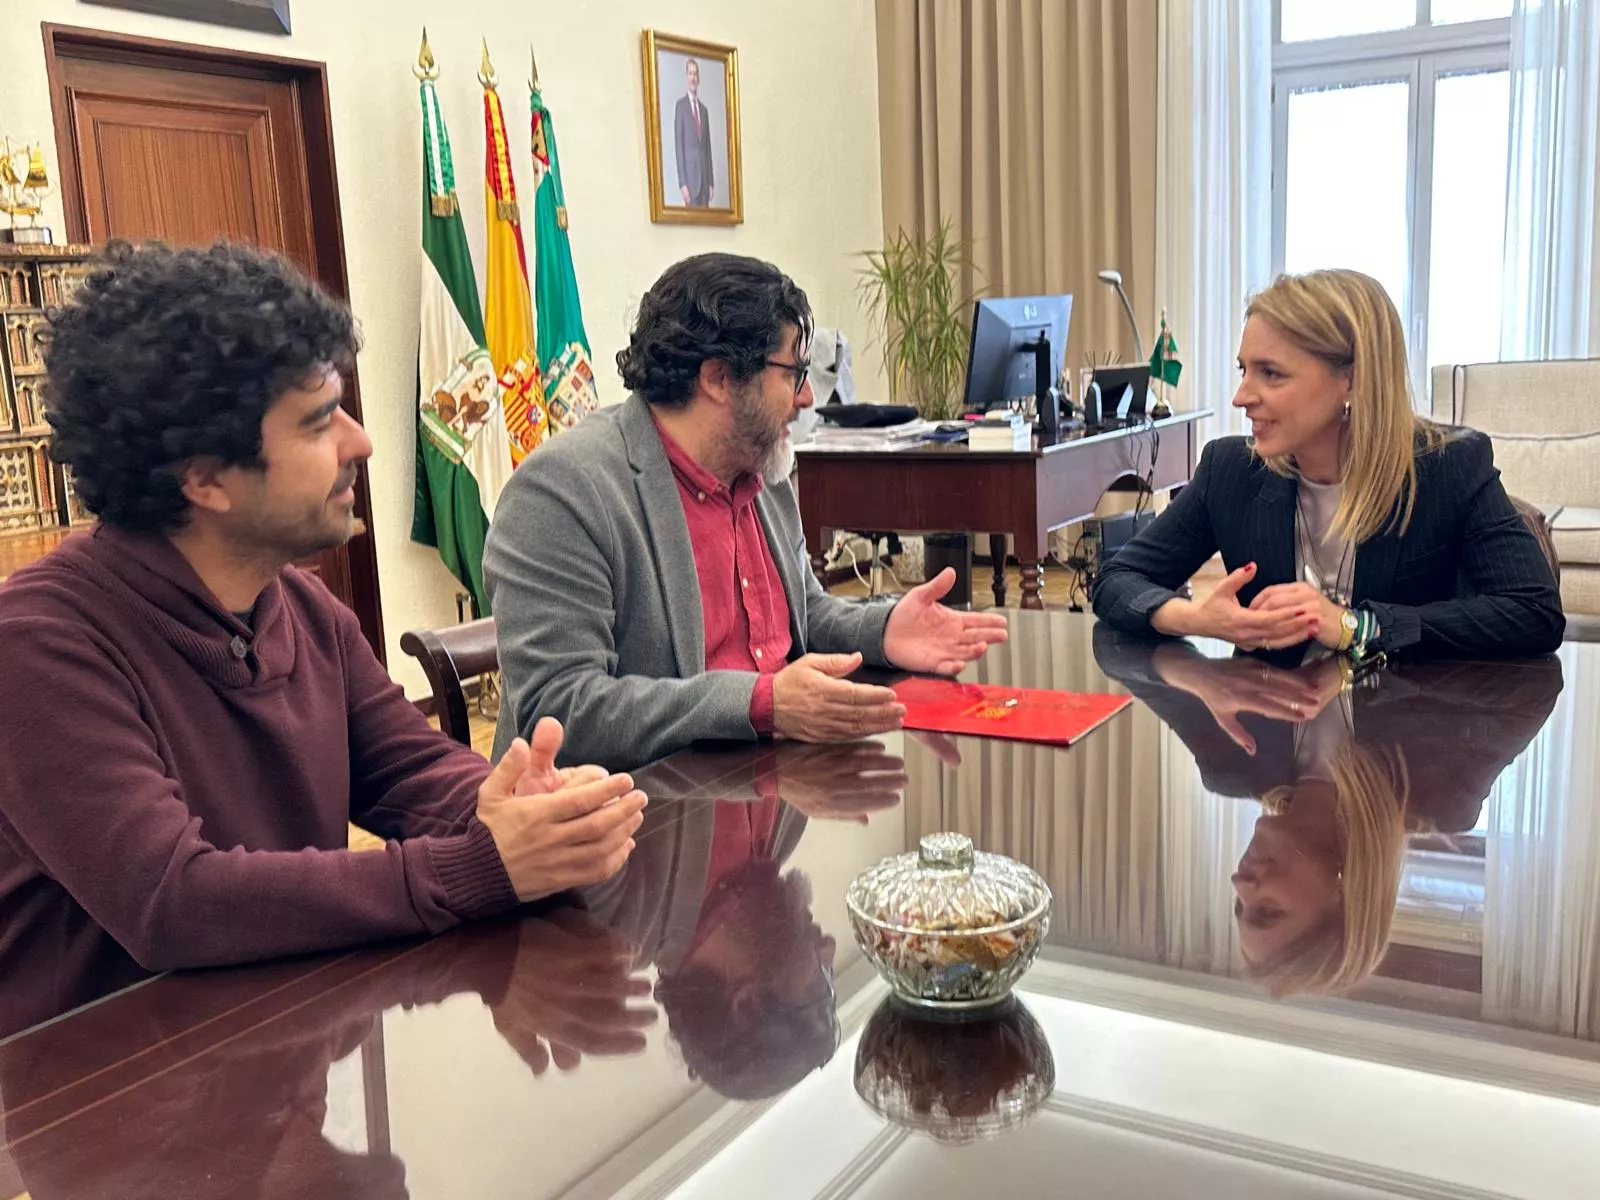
(591,575)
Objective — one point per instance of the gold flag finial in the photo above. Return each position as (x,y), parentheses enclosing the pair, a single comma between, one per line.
(486,75)
(427,66)
(533,62)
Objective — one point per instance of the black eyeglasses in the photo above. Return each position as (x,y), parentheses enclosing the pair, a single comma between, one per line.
(798,369)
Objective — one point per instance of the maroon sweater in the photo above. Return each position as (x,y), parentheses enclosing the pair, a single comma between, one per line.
(175,785)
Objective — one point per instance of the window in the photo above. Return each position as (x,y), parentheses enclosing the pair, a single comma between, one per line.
(1391,126)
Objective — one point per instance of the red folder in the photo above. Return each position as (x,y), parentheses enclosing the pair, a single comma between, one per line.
(1020,714)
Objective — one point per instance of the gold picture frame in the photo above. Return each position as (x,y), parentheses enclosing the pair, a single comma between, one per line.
(704,182)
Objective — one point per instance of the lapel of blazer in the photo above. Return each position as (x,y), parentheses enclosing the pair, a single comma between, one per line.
(1272,529)
(669,536)
(1376,560)
(788,570)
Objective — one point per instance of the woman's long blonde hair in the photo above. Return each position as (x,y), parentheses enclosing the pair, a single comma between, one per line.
(1373,790)
(1347,320)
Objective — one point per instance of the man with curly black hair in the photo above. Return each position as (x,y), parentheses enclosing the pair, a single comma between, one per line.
(187,722)
(647,568)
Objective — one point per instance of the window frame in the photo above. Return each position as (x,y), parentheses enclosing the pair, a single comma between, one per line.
(1418,56)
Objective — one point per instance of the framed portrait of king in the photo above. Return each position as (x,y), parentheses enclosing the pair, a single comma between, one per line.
(691,123)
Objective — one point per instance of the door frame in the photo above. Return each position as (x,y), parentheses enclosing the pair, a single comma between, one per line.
(308,81)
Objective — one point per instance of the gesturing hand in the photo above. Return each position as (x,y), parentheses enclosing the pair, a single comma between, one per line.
(1220,615)
(924,635)
(1302,596)
(557,829)
(812,701)
(569,993)
(840,781)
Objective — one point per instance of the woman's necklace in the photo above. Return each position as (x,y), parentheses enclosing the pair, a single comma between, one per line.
(1308,549)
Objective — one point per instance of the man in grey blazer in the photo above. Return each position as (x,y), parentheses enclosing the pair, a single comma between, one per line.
(647,569)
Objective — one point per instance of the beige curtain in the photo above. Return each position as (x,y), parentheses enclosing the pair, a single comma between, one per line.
(1030,125)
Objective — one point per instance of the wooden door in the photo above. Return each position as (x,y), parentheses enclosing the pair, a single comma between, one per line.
(189,145)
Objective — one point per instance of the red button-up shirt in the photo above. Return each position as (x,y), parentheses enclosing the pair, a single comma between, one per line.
(741,593)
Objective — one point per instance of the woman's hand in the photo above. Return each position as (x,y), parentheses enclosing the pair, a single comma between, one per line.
(1282,597)
(1220,615)
(1231,686)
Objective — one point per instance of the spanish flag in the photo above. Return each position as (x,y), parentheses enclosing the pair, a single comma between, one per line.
(508,309)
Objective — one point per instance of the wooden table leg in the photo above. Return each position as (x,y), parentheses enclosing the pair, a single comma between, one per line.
(1032,583)
(819,553)
(997,555)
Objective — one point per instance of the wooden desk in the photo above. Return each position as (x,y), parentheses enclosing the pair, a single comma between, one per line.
(943,488)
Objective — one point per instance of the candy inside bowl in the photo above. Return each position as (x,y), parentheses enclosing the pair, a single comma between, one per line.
(949,927)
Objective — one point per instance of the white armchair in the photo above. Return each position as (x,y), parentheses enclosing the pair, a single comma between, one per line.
(1544,420)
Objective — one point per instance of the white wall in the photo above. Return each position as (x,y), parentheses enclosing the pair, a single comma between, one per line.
(808,86)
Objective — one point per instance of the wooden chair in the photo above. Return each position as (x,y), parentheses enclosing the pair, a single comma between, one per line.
(449,656)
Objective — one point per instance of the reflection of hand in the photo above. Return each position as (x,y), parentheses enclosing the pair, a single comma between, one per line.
(685,192)
(569,992)
(943,748)
(711,193)
(1230,686)
(843,782)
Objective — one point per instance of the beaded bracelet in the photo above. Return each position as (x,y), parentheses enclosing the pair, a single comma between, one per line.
(1366,631)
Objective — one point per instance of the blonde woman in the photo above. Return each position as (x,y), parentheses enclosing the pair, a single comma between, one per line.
(1344,518)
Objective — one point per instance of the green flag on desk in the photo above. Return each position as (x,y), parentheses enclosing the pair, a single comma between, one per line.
(1164,364)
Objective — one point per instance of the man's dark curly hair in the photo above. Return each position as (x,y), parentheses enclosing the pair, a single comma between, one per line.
(166,355)
(711,306)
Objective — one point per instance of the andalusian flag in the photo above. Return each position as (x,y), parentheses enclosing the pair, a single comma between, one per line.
(1164,364)
(563,345)
(509,311)
(463,457)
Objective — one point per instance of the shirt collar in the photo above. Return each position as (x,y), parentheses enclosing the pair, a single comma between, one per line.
(701,481)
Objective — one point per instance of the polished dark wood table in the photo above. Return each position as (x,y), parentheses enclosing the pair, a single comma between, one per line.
(951,488)
(704,1026)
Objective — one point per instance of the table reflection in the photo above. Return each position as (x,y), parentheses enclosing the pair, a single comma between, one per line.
(1429,841)
(744,971)
(955,1079)
(257,1082)
(1446,859)
(1345,776)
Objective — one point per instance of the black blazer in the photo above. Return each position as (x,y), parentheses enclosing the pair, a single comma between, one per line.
(1456,725)
(1466,580)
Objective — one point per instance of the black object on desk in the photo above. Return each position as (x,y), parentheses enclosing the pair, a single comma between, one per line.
(866,416)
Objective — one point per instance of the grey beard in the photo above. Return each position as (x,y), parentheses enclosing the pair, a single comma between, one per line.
(779,462)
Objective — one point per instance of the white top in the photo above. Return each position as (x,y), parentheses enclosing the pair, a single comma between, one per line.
(1331,559)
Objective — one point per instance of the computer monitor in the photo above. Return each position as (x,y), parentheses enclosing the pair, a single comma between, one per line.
(1124,390)
(1003,361)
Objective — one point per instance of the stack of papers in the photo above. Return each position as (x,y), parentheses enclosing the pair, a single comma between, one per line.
(886,437)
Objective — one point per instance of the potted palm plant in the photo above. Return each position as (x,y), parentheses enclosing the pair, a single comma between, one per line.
(912,292)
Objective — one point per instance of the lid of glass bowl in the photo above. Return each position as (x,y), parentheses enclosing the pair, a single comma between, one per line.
(946,885)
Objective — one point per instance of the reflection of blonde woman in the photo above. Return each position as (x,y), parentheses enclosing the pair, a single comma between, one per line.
(1316,887)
